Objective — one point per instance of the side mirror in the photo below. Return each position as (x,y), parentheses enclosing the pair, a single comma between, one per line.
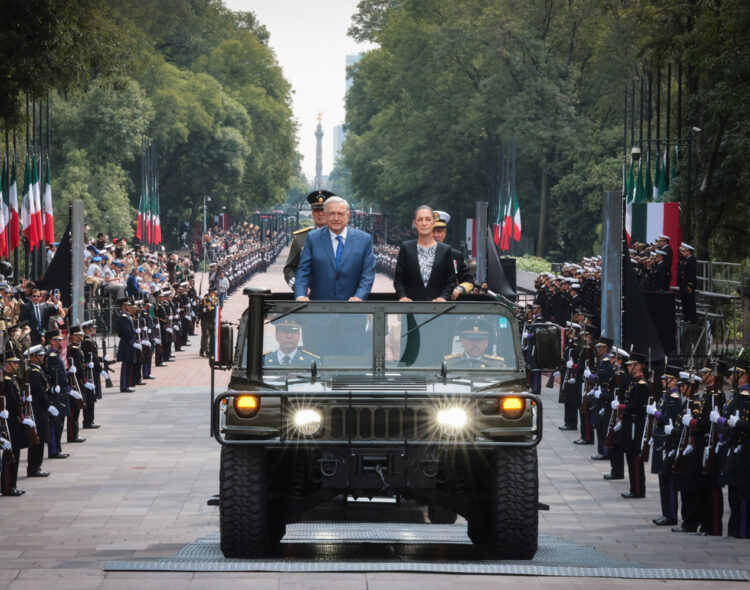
(226,347)
(547,342)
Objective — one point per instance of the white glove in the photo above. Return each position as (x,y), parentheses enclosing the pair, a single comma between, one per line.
(601,412)
(29,422)
(146,343)
(149,330)
(525,335)
(137,346)
(651,409)
(669,427)
(157,341)
(171,317)
(586,373)
(57,389)
(106,357)
(137,330)
(105,374)
(5,444)
(572,381)
(598,392)
(569,364)
(72,369)
(169,330)
(715,415)
(556,374)
(671,453)
(615,404)
(617,426)
(4,415)
(74,394)
(28,398)
(90,386)
(688,449)
(734,418)
(53,410)
(686,418)
(91,365)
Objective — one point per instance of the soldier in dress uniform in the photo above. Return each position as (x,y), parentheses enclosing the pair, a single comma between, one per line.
(79,391)
(17,426)
(126,350)
(464,275)
(686,281)
(317,201)
(587,360)
(43,409)
(206,310)
(600,394)
(58,380)
(474,335)
(632,409)
(666,412)
(289,353)
(734,422)
(611,403)
(93,382)
(662,242)
(569,387)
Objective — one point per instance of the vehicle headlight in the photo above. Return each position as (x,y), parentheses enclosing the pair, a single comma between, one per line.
(512,407)
(246,406)
(452,420)
(308,421)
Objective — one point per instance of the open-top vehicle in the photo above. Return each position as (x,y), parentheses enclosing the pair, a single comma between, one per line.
(420,400)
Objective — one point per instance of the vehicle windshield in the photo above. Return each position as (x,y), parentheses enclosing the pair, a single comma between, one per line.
(461,341)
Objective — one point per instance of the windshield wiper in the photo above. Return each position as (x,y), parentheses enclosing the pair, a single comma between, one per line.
(283,315)
(428,320)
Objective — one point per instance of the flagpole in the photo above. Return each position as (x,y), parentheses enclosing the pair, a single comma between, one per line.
(26,256)
(15,250)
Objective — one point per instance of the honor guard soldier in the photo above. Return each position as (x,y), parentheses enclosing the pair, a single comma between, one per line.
(464,276)
(206,309)
(147,340)
(586,361)
(474,336)
(43,410)
(666,412)
(92,372)
(128,345)
(14,426)
(289,353)
(734,423)
(632,409)
(317,201)
(58,380)
(600,396)
(686,281)
(569,390)
(77,378)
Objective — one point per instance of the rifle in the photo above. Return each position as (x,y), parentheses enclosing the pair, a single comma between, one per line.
(107,364)
(685,434)
(648,431)
(709,453)
(8,456)
(29,412)
(80,404)
(609,442)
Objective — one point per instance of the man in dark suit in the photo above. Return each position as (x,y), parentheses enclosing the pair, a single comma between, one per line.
(37,314)
(337,262)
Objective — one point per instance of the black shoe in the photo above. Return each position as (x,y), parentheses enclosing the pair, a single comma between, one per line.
(201,354)
(664,521)
(683,529)
(160,365)
(79,439)
(127,390)
(567,427)
(149,377)
(186,344)
(631,495)
(580,441)
(37,473)
(59,455)
(614,476)
(598,457)
(14,492)
(92,425)
(140,383)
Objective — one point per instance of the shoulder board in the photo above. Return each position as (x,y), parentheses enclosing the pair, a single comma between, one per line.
(642,382)
(74,346)
(310,353)
(494,357)
(52,355)
(448,357)
(301,231)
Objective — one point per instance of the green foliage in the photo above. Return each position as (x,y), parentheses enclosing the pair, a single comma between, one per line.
(532,264)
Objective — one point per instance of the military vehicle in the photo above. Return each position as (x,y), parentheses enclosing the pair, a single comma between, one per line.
(424,401)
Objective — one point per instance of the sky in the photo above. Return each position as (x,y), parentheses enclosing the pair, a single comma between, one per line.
(310,41)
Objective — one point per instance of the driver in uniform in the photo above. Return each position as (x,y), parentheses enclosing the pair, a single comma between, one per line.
(289,352)
(475,337)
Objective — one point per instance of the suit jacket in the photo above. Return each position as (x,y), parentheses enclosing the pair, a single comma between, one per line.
(317,267)
(46,311)
(408,280)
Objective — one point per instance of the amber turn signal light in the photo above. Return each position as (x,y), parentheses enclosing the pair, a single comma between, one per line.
(246,406)
(512,407)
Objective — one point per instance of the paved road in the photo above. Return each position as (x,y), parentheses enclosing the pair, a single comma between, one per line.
(137,488)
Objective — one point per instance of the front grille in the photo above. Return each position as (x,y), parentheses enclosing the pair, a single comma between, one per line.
(380,423)
(365,383)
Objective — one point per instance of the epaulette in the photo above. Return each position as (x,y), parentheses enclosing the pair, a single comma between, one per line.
(494,357)
(448,357)
(74,346)
(310,353)
(642,382)
(301,231)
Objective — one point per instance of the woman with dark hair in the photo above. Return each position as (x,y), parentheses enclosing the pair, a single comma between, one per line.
(424,267)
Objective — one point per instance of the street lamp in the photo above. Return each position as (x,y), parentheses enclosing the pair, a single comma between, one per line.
(205,246)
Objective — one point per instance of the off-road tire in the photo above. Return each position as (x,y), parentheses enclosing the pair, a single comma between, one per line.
(439,515)
(243,518)
(513,524)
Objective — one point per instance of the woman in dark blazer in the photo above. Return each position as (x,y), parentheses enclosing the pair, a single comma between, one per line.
(424,267)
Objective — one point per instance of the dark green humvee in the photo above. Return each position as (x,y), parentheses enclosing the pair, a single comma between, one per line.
(422,400)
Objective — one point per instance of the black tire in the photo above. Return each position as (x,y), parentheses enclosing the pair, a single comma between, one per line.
(439,515)
(513,527)
(243,518)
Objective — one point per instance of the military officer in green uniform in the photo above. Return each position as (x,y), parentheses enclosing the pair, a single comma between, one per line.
(316,200)
(475,337)
(289,353)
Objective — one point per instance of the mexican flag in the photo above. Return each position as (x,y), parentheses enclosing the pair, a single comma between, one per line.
(157,221)
(139,223)
(652,219)
(497,228)
(49,218)
(149,239)
(512,225)
(4,211)
(14,235)
(37,202)
(28,222)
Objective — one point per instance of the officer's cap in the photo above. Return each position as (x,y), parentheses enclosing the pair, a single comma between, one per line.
(622,353)
(74,330)
(474,329)
(685,246)
(636,357)
(18,326)
(660,252)
(122,300)
(604,341)
(722,368)
(97,259)
(53,335)
(740,365)
(662,237)
(442,219)
(318,198)
(38,349)
(87,324)
(671,372)
(288,325)
(10,355)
